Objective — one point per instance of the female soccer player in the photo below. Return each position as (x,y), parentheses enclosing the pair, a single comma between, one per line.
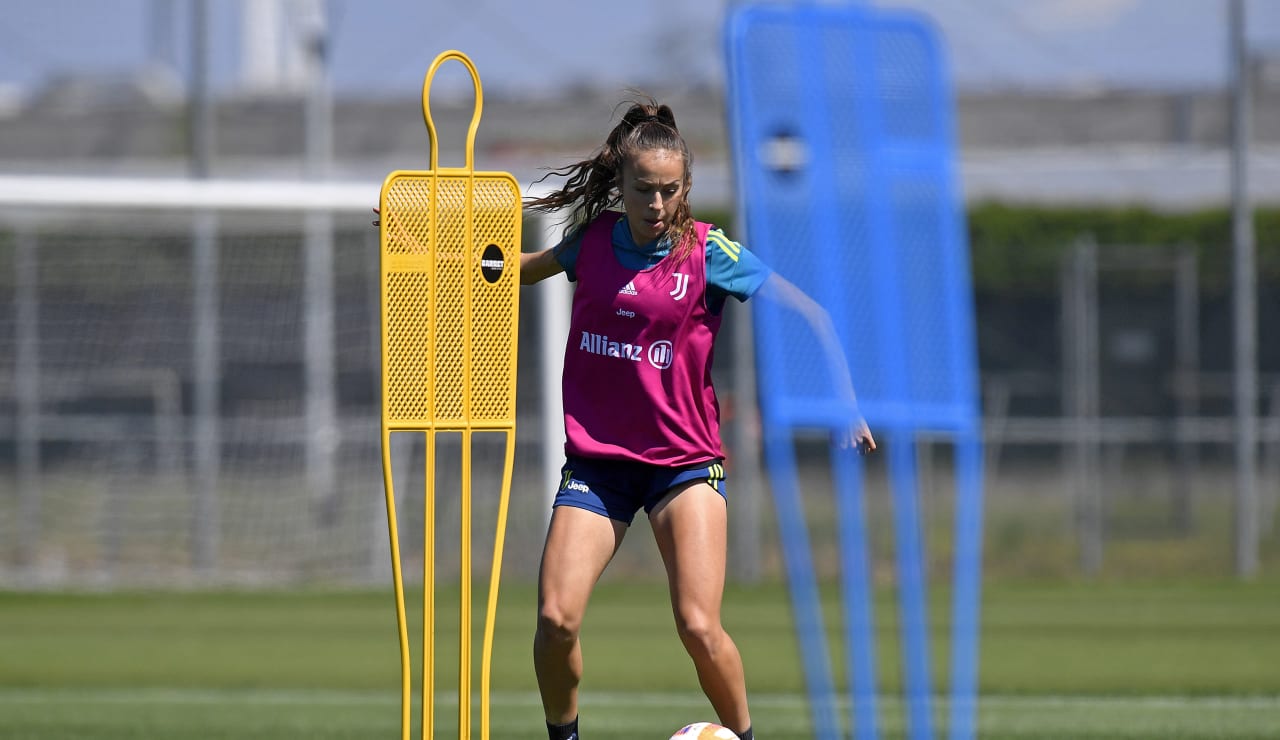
(641,417)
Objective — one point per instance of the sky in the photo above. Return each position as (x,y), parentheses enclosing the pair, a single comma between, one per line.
(383,47)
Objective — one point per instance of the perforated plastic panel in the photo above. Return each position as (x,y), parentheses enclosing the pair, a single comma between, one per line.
(841,121)
(843,136)
(451,314)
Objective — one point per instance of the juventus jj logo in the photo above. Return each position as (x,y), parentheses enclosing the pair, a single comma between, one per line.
(682,285)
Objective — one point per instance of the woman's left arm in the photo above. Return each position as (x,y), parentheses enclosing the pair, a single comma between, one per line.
(786,293)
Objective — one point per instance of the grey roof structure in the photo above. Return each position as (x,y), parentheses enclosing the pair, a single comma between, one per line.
(1166,149)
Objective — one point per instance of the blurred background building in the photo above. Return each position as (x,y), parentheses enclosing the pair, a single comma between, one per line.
(1073,102)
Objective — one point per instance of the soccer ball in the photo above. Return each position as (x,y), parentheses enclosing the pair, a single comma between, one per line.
(704,731)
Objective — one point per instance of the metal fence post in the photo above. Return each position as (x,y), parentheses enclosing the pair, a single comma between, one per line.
(27,392)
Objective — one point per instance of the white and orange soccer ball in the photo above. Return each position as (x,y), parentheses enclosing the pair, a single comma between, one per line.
(704,731)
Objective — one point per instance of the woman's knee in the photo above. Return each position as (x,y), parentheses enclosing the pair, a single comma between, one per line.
(557,625)
(698,630)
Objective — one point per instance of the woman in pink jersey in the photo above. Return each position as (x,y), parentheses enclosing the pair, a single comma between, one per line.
(641,417)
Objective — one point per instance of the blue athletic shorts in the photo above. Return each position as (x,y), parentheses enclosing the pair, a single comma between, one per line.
(618,489)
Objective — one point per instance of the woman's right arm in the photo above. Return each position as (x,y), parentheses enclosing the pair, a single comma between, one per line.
(536,266)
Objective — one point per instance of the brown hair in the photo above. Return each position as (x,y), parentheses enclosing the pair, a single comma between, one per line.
(591,185)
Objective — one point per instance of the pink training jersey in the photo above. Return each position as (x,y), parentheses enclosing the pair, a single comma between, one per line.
(637,366)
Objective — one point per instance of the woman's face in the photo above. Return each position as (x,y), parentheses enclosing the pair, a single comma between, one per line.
(653,186)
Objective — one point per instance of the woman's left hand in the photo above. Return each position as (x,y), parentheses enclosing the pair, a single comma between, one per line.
(862,437)
(859,437)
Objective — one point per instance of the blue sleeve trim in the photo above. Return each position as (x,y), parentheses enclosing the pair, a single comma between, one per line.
(732,270)
(566,253)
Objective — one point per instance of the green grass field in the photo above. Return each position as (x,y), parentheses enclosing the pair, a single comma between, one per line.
(1072,660)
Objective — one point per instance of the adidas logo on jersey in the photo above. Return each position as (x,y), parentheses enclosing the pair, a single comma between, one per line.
(628,289)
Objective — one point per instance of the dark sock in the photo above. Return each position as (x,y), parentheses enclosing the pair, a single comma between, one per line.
(746,734)
(568,731)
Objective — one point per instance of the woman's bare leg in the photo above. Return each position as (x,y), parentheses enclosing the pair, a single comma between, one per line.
(690,527)
(579,545)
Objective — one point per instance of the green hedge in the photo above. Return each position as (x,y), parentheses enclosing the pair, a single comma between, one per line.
(1019,248)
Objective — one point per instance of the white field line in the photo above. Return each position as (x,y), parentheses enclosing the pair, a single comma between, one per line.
(154,696)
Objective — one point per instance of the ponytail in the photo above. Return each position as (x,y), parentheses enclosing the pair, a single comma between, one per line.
(590,186)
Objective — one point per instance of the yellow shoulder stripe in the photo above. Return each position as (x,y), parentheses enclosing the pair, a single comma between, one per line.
(730,248)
